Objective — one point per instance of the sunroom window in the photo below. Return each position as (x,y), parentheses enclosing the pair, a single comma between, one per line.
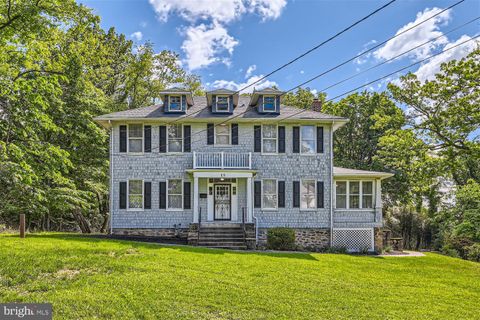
(222,134)
(222,103)
(135,194)
(307,139)
(175,194)
(367,194)
(269,138)
(175,138)
(175,103)
(307,194)
(270,194)
(354,194)
(341,194)
(269,103)
(135,138)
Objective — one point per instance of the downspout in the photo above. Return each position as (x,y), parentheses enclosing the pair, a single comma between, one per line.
(332,184)
(111,177)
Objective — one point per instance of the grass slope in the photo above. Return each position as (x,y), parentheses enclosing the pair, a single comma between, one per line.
(93,278)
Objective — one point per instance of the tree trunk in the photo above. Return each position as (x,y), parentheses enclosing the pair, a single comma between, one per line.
(81,221)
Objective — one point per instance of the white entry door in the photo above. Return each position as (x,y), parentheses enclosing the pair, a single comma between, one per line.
(222,201)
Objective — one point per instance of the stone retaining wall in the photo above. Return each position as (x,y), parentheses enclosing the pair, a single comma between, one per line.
(310,239)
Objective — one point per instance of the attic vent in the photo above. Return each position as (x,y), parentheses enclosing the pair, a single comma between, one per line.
(354,240)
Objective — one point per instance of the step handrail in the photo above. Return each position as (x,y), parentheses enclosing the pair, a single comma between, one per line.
(199,224)
(243,227)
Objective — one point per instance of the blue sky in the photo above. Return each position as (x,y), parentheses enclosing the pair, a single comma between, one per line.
(230,43)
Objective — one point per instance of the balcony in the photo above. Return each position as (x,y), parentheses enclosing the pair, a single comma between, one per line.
(222,160)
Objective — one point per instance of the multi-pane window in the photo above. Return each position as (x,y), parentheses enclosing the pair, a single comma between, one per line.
(222,134)
(175,190)
(135,194)
(270,195)
(269,103)
(307,139)
(175,138)
(222,103)
(307,194)
(341,194)
(135,138)
(354,194)
(175,103)
(269,138)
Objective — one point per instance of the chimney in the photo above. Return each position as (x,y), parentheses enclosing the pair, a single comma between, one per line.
(317,105)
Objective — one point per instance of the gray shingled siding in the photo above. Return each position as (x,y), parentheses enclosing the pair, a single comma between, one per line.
(158,167)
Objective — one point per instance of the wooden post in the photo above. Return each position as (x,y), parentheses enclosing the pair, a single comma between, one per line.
(22,225)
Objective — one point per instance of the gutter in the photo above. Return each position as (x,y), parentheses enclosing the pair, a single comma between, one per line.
(331,182)
(111,177)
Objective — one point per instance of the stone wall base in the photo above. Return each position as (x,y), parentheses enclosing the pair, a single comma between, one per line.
(167,233)
(308,239)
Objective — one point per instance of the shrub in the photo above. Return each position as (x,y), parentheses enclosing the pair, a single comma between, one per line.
(281,239)
(449,251)
(473,252)
(388,249)
(337,250)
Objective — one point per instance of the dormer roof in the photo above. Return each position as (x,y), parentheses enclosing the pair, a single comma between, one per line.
(177,91)
(222,92)
(267,91)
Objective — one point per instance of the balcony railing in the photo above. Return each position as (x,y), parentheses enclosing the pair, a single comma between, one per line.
(222,160)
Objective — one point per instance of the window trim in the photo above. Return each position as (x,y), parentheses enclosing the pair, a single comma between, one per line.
(228,104)
(229,126)
(137,138)
(276,138)
(274,103)
(361,181)
(314,153)
(170,102)
(314,194)
(276,193)
(167,208)
(182,139)
(128,195)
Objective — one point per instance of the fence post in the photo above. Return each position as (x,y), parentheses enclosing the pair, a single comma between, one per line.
(22,225)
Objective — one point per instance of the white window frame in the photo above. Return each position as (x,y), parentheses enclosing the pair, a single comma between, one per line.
(228,103)
(314,140)
(168,139)
(314,194)
(276,138)
(342,194)
(175,194)
(135,138)
(274,103)
(276,193)
(128,195)
(229,136)
(170,102)
(361,194)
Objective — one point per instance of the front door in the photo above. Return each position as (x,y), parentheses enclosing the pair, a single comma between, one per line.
(222,200)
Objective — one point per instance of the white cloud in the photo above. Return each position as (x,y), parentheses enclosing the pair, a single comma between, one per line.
(267,9)
(232,85)
(137,35)
(143,24)
(418,35)
(314,91)
(204,45)
(250,71)
(428,70)
(302,72)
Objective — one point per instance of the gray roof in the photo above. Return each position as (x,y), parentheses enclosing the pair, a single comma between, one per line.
(199,110)
(345,172)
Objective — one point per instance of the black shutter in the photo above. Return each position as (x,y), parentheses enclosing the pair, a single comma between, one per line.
(163,195)
(281,139)
(234,133)
(123,138)
(257,136)
(296,194)
(187,195)
(187,138)
(320,194)
(123,195)
(281,194)
(147,195)
(162,147)
(319,139)
(296,140)
(210,133)
(147,131)
(257,194)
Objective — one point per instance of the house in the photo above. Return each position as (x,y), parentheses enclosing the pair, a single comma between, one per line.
(221,169)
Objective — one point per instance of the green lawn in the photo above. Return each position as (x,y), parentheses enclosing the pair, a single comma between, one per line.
(94,278)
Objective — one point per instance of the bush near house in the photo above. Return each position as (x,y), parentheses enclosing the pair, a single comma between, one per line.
(281,239)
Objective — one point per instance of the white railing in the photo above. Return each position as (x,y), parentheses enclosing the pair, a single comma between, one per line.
(222,160)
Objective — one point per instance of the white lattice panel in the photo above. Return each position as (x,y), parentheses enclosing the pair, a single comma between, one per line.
(353,239)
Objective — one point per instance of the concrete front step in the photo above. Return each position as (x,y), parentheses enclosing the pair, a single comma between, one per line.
(221,243)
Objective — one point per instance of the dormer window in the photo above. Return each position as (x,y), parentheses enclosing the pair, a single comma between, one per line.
(175,103)
(269,104)
(222,103)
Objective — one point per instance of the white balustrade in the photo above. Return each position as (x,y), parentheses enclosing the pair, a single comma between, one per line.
(222,160)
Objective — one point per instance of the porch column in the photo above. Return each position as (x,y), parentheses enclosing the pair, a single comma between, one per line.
(249,200)
(195,199)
